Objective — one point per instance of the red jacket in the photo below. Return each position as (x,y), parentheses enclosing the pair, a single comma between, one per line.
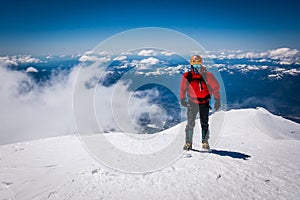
(199,90)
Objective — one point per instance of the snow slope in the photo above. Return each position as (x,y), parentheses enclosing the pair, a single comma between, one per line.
(256,157)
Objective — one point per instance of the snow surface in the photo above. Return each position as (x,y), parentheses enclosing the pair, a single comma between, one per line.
(256,157)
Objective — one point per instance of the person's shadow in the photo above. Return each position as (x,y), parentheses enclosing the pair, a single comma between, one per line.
(232,154)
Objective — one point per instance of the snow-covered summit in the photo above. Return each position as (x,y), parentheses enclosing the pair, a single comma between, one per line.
(256,157)
(31,69)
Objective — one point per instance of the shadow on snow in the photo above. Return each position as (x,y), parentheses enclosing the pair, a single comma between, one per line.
(232,154)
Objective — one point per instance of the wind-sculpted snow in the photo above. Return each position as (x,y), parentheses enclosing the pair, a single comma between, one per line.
(257,157)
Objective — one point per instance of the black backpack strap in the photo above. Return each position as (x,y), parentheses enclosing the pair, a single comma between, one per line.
(202,79)
(189,76)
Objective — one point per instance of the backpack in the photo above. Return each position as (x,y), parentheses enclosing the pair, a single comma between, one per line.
(202,79)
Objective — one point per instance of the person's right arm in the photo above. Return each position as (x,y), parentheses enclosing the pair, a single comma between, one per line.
(183,90)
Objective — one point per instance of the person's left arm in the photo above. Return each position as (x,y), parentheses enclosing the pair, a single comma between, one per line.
(214,89)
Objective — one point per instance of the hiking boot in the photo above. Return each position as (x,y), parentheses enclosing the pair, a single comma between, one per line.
(205,146)
(187,146)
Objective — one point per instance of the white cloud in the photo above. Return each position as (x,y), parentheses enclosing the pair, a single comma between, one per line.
(285,62)
(27,59)
(277,53)
(162,71)
(24,103)
(262,60)
(168,53)
(49,107)
(20,59)
(280,72)
(240,67)
(122,66)
(284,56)
(31,69)
(150,61)
(6,60)
(145,63)
(93,58)
(149,52)
(253,67)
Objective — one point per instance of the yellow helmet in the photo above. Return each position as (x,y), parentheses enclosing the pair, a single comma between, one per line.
(196,60)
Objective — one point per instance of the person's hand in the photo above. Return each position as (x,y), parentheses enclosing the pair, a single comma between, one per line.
(217,104)
(183,102)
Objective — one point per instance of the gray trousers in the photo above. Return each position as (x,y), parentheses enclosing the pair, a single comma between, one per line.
(192,111)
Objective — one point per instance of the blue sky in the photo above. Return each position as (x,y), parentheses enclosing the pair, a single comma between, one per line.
(65,27)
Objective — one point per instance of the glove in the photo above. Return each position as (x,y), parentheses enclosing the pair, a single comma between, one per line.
(183,102)
(217,104)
